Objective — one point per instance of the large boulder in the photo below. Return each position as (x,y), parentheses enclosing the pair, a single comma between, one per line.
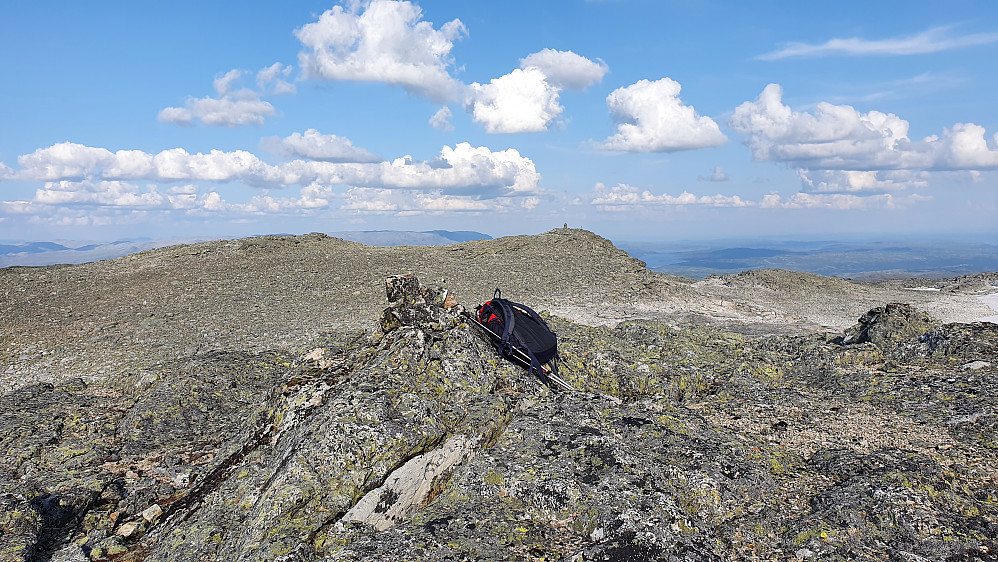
(359,433)
(888,326)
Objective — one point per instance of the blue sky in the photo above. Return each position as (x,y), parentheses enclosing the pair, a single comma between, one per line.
(635,119)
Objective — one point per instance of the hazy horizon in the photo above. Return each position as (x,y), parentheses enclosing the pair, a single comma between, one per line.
(713,241)
(859,258)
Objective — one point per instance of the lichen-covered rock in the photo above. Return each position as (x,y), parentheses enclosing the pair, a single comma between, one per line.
(334,435)
(398,286)
(774,454)
(893,501)
(889,325)
(414,440)
(637,359)
(20,526)
(89,459)
(583,475)
(963,343)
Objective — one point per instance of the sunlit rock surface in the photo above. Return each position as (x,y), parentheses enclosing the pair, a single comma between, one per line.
(397,433)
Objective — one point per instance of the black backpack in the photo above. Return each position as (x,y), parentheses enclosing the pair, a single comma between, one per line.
(521,336)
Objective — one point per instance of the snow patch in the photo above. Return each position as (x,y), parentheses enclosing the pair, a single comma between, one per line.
(992,302)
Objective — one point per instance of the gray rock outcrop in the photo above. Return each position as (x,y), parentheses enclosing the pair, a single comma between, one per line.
(413,440)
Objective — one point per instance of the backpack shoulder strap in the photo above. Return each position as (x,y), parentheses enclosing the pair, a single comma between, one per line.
(509,322)
(530,312)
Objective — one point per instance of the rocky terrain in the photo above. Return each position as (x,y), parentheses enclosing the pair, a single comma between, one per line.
(264,399)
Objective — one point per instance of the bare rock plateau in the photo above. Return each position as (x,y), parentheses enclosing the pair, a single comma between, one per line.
(262,399)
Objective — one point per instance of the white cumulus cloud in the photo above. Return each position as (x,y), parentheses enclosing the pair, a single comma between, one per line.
(408,202)
(65,160)
(838,137)
(522,101)
(129,164)
(652,118)
(462,167)
(624,197)
(225,112)
(313,145)
(233,107)
(212,201)
(861,181)
(106,193)
(565,69)
(179,165)
(183,196)
(441,119)
(119,194)
(105,199)
(527,99)
(382,41)
(835,136)
(964,147)
(831,201)
(312,197)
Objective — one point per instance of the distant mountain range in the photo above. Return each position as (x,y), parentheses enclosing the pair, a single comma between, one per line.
(409,238)
(864,261)
(72,252)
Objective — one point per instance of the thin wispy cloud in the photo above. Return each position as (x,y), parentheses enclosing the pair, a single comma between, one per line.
(924,84)
(931,40)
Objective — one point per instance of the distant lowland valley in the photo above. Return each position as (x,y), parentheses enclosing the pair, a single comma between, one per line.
(858,260)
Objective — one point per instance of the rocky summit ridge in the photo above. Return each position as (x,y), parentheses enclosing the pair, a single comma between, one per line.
(264,399)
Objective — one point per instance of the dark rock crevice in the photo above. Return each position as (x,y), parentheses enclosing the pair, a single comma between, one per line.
(209,483)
